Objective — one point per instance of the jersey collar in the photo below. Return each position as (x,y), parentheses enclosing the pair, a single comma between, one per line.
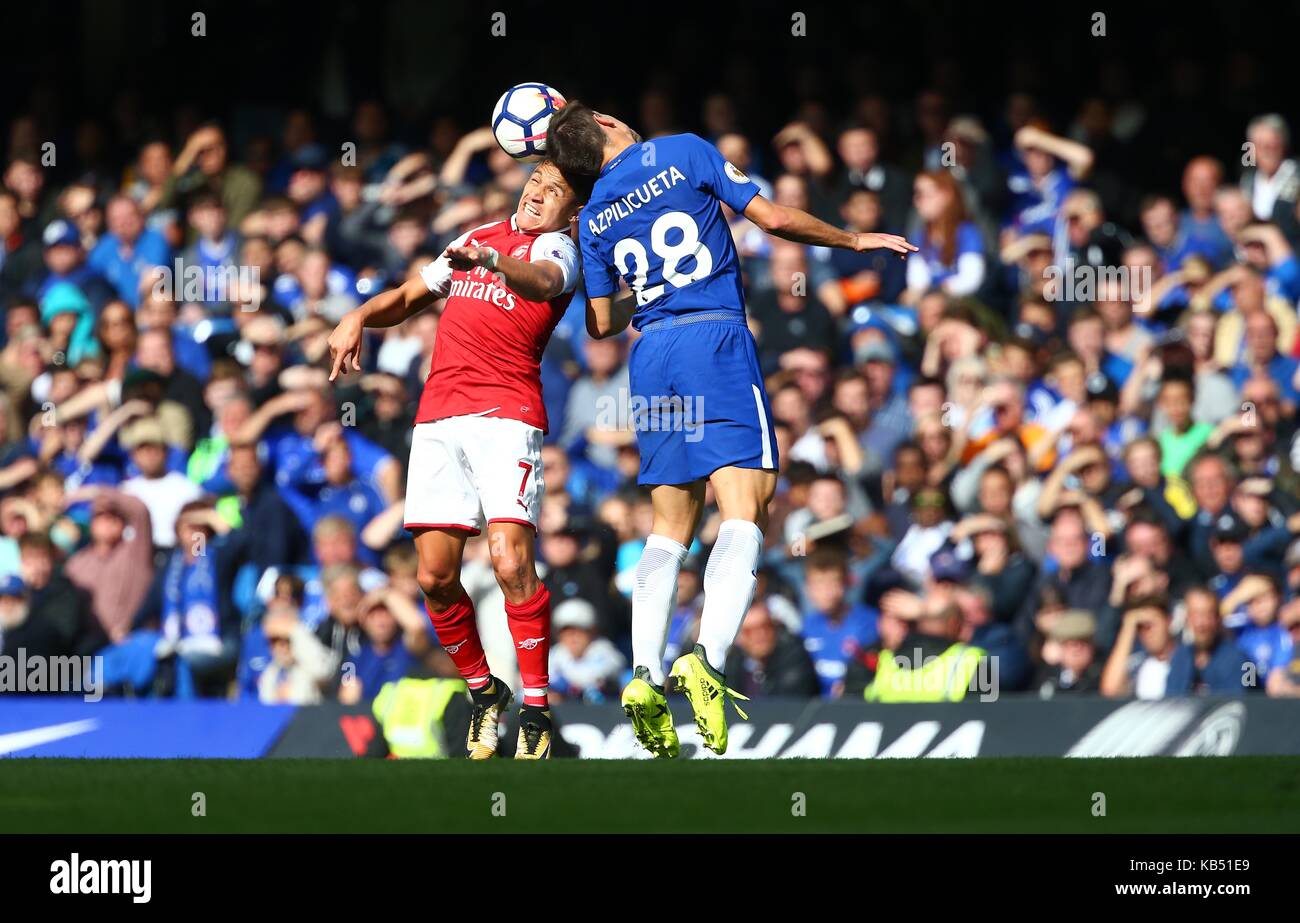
(618,159)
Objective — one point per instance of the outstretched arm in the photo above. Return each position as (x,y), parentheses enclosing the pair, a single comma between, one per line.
(801,227)
(387,309)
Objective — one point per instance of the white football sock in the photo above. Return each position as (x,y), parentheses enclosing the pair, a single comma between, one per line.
(729,583)
(653,601)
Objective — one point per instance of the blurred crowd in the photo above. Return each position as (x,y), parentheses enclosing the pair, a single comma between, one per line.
(1063,433)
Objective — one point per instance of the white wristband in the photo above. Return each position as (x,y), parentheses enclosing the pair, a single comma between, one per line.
(493,256)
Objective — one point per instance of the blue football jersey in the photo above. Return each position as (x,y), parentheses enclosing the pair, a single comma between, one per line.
(655,219)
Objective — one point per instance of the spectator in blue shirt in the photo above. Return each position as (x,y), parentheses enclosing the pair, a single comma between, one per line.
(1212,662)
(1163,228)
(328,486)
(1261,358)
(834,630)
(128,250)
(215,246)
(1053,165)
(1202,178)
(394,634)
(1261,637)
(952,251)
(65,261)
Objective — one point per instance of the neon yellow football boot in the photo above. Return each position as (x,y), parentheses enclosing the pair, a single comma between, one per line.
(652,722)
(708,694)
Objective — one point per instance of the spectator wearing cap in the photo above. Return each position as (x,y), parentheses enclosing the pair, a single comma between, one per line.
(767,660)
(888,408)
(309,189)
(163,492)
(128,250)
(1117,429)
(1211,662)
(1144,647)
(1228,534)
(116,567)
(65,262)
(583,664)
(1070,658)
(833,629)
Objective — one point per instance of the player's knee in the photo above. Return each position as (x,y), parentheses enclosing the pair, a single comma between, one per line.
(441,585)
(516,575)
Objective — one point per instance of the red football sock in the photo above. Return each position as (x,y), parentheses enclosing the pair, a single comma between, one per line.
(530,626)
(458,634)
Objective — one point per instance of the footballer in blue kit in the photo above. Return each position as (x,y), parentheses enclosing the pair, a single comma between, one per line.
(654,221)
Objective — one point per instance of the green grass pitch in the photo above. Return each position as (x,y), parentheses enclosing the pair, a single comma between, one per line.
(1156,795)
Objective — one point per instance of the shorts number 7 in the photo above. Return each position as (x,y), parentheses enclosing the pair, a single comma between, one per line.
(523,482)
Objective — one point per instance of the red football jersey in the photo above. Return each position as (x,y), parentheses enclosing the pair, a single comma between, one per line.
(488,352)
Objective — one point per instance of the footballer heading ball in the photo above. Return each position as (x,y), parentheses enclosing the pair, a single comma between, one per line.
(521,118)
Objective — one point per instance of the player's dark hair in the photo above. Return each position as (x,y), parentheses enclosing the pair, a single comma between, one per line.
(580,183)
(575,141)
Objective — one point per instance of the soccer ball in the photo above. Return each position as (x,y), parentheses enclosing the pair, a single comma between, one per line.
(521,118)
